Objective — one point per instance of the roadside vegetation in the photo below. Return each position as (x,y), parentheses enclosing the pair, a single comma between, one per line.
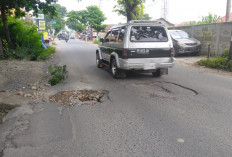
(4,109)
(26,41)
(19,38)
(97,41)
(211,18)
(58,73)
(221,62)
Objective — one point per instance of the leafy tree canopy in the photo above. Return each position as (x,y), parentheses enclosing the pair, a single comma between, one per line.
(59,18)
(132,9)
(76,20)
(92,17)
(7,6)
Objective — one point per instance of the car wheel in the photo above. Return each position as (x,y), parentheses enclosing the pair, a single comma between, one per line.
(114,68)
(98,61)
(157,73)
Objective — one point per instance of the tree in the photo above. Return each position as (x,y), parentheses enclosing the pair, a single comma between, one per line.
(94,18)
(59,18)
(130,8)
(100,28)
(76,20)
(7,6)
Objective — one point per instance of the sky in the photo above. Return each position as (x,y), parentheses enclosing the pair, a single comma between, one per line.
(178,10)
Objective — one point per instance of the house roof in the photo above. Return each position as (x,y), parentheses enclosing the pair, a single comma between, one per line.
(184,23)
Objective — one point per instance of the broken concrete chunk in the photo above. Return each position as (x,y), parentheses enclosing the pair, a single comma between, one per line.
(20,93)
(70,98)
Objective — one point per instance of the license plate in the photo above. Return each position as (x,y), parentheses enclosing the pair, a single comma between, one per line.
(142,51)
(192,49)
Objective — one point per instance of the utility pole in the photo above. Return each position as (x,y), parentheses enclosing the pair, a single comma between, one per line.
(164,9)
(228,7)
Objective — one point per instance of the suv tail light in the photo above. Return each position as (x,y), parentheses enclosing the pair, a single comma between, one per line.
(172,52)
(125,54)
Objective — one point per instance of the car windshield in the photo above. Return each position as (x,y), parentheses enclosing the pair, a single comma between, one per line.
(148,34)
(179,34)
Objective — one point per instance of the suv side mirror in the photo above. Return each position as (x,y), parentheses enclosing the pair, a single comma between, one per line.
(102,40)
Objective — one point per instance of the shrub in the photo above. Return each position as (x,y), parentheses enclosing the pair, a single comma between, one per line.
(26,41)
(218,63)
(46,53)
(225,53)
(97,41)
(58,73)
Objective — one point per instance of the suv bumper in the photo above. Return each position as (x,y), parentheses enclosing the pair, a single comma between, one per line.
(146,63)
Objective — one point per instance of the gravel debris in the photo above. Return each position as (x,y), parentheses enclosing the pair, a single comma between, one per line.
(79,97)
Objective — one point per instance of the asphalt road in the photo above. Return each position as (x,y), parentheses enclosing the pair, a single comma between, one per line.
(187,113)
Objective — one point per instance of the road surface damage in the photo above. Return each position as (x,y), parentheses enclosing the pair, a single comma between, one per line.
(78,97)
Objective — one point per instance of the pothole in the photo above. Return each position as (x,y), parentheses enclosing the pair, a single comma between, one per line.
(4,109)
(78,97)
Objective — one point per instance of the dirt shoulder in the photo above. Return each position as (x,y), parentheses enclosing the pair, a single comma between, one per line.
(21,83)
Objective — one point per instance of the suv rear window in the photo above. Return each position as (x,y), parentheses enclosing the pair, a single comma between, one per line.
(148,34)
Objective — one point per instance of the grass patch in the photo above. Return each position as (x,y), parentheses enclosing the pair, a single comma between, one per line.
(54,43)
(97,41)
(58,73)
(46,53)
(218,62)
(4,109)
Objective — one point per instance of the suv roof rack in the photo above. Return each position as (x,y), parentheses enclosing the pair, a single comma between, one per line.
(144,21)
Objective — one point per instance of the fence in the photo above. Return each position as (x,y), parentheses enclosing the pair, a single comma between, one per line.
(217,35)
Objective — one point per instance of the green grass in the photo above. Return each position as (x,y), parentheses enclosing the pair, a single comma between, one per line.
(58,73)
(46,53)
(218,62)
(97,41)
(4,109)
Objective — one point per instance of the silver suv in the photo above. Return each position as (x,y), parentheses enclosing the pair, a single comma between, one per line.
(144,46)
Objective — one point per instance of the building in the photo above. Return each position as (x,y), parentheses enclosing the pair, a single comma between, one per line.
(223,19)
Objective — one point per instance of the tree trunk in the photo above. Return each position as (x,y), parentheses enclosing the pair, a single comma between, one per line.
(91,33)
(129,17)
(230,52)
(5,26)
(131,10)
(1,49)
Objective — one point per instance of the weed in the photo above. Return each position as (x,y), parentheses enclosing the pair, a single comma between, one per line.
(97,41)
(58,73)
(46,53)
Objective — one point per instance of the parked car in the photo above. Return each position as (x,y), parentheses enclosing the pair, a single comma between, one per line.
(63,36)
(72,36)
(137,45)
(184,43)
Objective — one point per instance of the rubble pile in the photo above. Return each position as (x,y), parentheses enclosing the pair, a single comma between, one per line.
(70,98)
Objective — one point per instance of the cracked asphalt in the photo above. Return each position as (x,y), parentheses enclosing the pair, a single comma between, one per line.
(184,114)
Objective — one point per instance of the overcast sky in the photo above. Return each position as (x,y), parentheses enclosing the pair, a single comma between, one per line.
(179,10)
